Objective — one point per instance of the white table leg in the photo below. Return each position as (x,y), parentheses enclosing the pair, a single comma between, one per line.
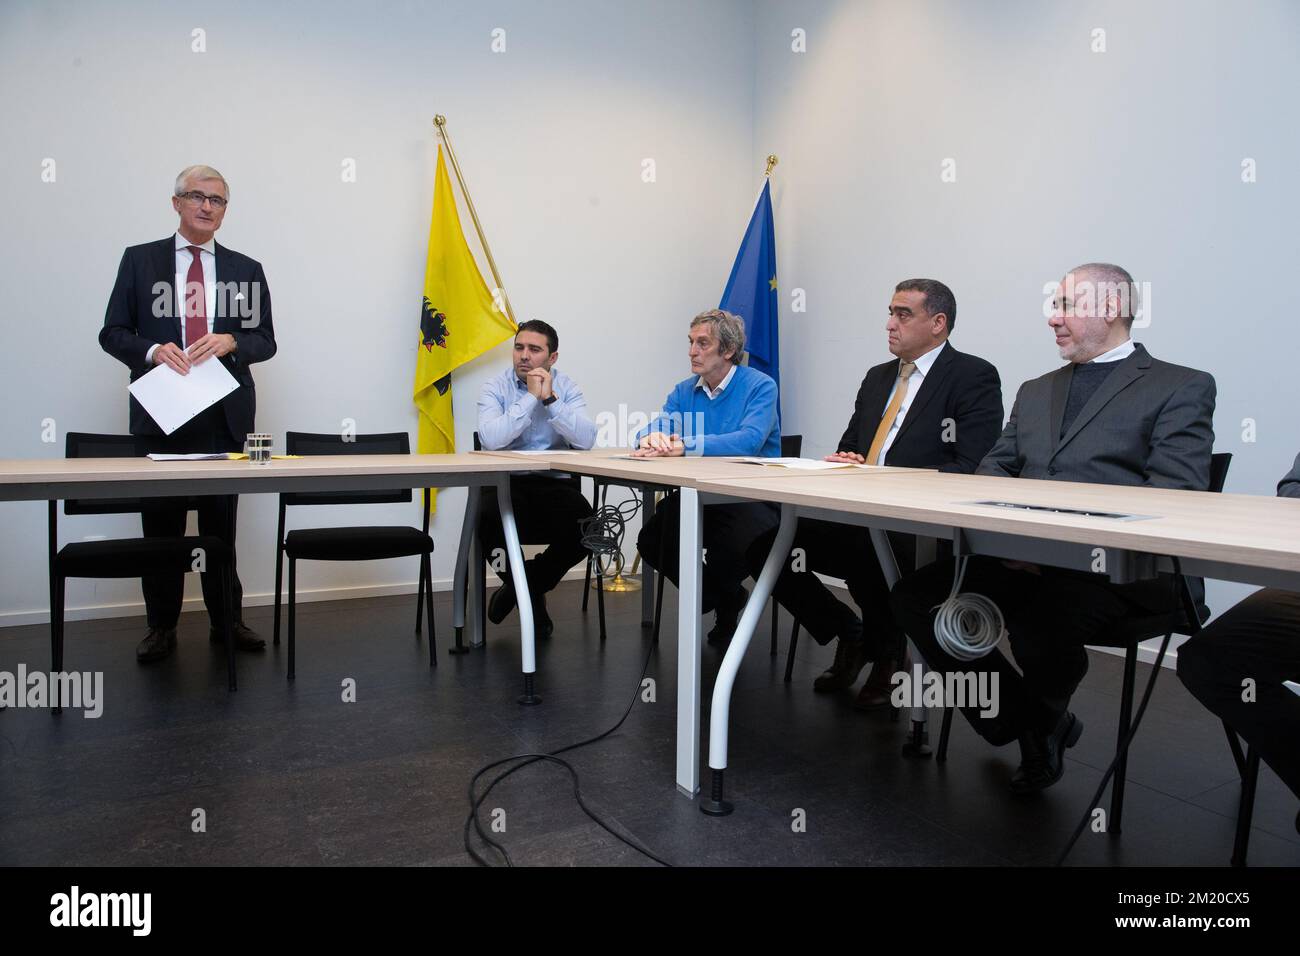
(460,580)
(720,713)
(515,554)
(689,648)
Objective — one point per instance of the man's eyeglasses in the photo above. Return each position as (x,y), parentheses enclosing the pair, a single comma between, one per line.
(196,198)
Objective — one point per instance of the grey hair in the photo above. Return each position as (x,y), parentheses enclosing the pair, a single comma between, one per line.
(199,172)
(730,330)
(1107,277)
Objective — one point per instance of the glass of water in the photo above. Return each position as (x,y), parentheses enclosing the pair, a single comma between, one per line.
(257,445)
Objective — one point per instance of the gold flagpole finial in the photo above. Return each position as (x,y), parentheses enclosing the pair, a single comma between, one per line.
(771,161)
(440,121)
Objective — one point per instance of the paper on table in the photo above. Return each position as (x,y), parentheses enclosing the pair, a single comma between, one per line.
(215,456)
(802,464)
(541,451)
(172,399)
(197,456)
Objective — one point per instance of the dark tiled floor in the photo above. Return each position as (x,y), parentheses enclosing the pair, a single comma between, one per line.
(289,773)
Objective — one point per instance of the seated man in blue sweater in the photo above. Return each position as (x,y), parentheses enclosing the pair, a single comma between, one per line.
(724,408)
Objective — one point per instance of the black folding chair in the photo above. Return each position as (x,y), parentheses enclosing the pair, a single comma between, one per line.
(368,543)
(127,557)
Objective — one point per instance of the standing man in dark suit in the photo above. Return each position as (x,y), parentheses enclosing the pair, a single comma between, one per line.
(181,301)
(1113,415)
(931,407)
(1258,641)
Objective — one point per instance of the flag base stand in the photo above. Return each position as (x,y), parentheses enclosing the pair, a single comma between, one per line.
(616,585)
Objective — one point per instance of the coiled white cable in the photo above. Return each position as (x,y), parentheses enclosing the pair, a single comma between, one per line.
(967,626)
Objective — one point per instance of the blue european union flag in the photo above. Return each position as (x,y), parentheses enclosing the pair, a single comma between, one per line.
(751,290)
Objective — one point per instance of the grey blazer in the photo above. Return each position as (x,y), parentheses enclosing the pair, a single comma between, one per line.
(1150,423)
(1289,487)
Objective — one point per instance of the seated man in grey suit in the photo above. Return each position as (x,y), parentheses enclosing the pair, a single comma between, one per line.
(1113,415)
(1259,640)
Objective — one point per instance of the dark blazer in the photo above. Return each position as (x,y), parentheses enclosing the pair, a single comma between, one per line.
(960,387)
(1150,423)
(1289,486)
(142,312)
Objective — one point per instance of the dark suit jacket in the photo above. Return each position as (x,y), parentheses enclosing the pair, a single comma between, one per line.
(142,312)
(960,387)
(1289,486)
(1150,423)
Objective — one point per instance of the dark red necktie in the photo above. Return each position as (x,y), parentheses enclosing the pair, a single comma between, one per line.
(196,300)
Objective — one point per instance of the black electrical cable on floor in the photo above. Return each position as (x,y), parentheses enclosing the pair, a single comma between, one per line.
(527,759)
(1183,593)
(602,535)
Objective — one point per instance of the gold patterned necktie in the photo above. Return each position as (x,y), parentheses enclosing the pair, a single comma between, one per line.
(891,413)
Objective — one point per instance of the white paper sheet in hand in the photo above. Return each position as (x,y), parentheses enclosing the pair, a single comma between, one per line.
(172,399)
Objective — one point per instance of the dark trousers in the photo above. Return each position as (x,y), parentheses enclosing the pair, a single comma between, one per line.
(726,533)
(1049,616)
(165,517)
(838,551)
(548,511)
(1258,639)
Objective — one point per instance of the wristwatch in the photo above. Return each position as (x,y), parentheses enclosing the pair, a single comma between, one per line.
(549,401)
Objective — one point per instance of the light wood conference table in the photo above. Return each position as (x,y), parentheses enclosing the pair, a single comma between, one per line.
(1124,532)
(57,479)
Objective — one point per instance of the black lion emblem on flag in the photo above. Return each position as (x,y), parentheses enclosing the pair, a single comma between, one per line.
(433,331)
(433,326)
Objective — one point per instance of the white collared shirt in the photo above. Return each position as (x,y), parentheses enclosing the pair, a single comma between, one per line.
(183,259)
(923,365)
(1118,353)
(713,393)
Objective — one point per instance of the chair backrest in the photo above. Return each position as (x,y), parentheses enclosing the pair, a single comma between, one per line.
(1219,463)
(478,444)
(310,443)
(791,446)
(90,445)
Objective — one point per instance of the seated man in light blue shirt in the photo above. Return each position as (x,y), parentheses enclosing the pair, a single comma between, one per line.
(723,408)
(530,407)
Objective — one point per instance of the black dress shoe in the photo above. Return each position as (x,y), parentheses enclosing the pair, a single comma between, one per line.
(878,691)
(543,626)
(850,658)
(1042,756)
(246,639)
(726,618)
(158,643)
(502,602)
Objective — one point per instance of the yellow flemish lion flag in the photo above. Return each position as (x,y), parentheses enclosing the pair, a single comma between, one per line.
(459,320)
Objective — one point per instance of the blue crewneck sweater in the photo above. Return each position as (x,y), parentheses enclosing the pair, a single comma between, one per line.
(742,420)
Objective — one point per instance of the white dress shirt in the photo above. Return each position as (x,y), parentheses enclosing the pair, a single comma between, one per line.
(923,365)
(1118,353)
(183,259)
(713,393)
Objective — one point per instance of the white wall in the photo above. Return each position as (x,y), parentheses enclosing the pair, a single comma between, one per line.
(1062,156)
(551,135)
